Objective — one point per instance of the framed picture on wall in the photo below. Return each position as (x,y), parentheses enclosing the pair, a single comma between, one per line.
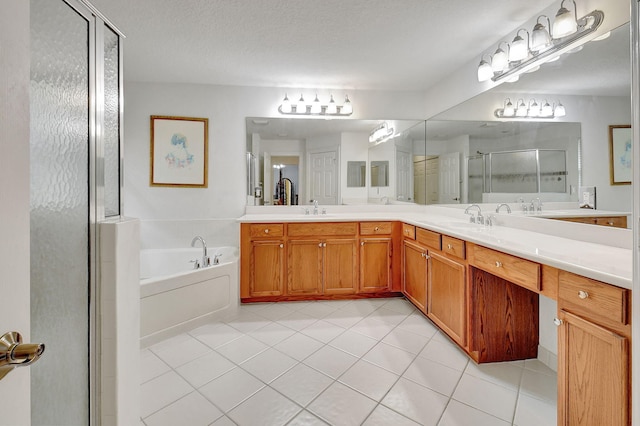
(620,154)
(179,151)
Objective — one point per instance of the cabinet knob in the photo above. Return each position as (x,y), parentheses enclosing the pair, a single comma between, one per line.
(449,246)
(266,231)
(498,264)
(376,229)
(361,243)
(558,322)
(583,294)
(610,223)
(281,245)
(319,244)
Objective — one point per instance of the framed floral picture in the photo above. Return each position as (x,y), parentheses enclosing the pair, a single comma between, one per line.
(179,151)
(620,154)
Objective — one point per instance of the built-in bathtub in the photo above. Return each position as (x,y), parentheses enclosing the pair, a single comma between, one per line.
(175,297)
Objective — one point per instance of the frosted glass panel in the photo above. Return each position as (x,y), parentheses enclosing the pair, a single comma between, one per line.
(518,171)
(553,171)
(59,213)
(111,124)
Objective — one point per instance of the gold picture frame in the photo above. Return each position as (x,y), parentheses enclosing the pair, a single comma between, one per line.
(620,154)
(179,151)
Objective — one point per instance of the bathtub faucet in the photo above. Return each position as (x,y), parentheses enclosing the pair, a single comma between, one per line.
(205,257)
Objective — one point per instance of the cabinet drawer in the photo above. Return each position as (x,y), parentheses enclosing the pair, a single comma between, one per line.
(514,269)
(266,230)
(429,238)
(375,228)
(408,231)
(453,246)
(615,221)
(321,228)
(589,298)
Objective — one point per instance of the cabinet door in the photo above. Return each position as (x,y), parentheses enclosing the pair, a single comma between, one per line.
(304,260)
(593,374)
(375,264)
(447,302)
(267,268)
(340,266)
(415,274)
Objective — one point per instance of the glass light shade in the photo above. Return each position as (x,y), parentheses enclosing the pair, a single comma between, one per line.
(316,108)
(301,107)
(522,109)
(332,108)
(540,38)
(519,49)
(509,110)
(285,107)
(485,72)
(547,110)
(534,109)
(565,23)
(347,108)
(500,61)
(559,110)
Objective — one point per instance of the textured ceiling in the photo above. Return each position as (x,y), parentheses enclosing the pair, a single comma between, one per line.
(353,44)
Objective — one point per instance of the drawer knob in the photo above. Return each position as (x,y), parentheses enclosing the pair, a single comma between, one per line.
(361,243)
(281,245)
(449,246)
(557,321)
(498,264)
(610,223)
(583,294)
(376,228)
(266,231)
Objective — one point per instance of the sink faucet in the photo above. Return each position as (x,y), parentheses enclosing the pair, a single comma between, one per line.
(539,208)
(315,206)
(503,205)
(205,257)
(473,219)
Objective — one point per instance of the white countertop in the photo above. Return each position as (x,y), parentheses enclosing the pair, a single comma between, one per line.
(597,252)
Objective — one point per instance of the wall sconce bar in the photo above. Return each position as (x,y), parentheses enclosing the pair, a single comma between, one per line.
(588,24)
(523,110)
(315,108)
(380,134)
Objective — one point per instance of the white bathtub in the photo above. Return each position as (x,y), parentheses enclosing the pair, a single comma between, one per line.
(175,298)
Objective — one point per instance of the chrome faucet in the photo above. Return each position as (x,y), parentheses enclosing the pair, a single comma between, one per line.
(533,202)
(315,206)
(503,205)
(205,257)
(473,219)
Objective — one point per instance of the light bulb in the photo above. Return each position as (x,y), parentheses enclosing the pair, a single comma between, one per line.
(285,108)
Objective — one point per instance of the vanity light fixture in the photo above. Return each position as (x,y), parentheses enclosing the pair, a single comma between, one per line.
(380,134)
(542,45)
(519,49)
(566,23)
(534,110)
(315,107)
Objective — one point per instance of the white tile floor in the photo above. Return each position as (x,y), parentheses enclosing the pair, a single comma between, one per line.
(361,362)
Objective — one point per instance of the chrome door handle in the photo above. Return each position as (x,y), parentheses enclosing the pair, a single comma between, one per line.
(14,353)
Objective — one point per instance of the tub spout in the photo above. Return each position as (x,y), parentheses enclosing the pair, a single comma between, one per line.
(205,256)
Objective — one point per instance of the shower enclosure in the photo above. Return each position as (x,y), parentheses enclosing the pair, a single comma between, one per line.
(517,172)
(75,140)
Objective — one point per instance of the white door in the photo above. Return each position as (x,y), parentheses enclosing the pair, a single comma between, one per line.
(15,404)
(324,177)
(420,180)
(404,190)
(268,188)
(449,177)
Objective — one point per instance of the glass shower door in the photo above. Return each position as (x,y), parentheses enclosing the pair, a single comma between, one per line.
(60,215)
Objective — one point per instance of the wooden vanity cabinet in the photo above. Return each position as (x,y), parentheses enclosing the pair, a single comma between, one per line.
(262,270)
(376,254)
(447,289)
(613,221)
(415,267)
(322,259)
(594,352)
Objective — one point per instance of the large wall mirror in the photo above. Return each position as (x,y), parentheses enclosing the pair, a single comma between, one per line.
(293,161)
(481,158)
